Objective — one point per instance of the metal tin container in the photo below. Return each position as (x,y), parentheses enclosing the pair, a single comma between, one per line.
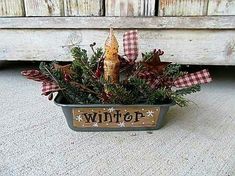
(113,117)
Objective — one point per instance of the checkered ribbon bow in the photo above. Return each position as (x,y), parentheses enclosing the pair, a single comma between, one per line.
(48,85)
(130,45)
(191,79)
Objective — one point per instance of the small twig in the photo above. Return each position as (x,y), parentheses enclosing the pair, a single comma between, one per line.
(92,48)
(55,81)
(83,87)
(48,71)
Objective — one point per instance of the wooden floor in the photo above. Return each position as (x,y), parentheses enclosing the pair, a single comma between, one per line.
(35,139)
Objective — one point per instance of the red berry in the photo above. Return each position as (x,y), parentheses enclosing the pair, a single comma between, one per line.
(67,77)
(98,73)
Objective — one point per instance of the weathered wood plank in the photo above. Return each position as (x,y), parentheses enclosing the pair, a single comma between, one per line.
(215,47)
(222,22)
(218,7)
(83,7)
(129,7)
(44,7)
(11,8)
(182,7)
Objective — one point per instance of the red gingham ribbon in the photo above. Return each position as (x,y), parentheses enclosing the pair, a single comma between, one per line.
(158,82)
(34,75)
(153,80)
(130,44)
(146,74)
(48,86)
(191,79)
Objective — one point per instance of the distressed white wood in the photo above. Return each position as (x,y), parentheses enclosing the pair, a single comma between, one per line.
(221,7)
(183,7)
(129,7)
(147,7)
(83,7)
(11,8)
(223,22)
(44,7)
(215,47)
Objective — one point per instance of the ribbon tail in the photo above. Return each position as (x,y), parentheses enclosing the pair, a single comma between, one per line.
(49,87)
(130,45)
(191,79)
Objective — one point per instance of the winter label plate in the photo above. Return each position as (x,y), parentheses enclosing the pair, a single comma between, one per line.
(118,117)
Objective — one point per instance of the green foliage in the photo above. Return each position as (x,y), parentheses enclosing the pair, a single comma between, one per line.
(188,90)
(115,90)
(84,87)
(147,56)
(139,88)
(179,100)
(80,63)
(44,69)
(173,71)
(159,96)
(79,54)
(95,57)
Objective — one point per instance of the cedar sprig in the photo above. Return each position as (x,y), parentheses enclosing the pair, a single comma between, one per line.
(85,87)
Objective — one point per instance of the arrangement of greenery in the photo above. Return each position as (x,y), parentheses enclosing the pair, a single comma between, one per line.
(148,81)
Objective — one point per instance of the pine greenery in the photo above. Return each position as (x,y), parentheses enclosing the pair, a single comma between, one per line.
(84,86)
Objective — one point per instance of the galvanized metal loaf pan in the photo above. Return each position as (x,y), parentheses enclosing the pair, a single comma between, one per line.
(113,117)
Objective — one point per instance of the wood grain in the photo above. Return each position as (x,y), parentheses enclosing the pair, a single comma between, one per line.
(44,7)
(182,7)
(213,47)
(224,7)
(84,7)
(11,8)
(129,7)
(223,22)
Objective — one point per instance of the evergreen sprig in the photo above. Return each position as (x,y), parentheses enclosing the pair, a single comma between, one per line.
(188,90)
(85,87)
(173,71)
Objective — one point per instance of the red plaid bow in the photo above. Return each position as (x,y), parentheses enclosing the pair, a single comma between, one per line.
(48,85)
(146,75)
(34,75)
(191,79)
(130,45)
(154,80)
